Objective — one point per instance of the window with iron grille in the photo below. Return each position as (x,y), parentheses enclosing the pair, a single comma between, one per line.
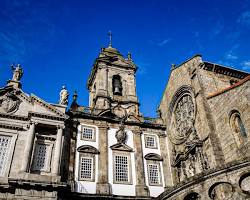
(88,133)
(41,157)
(4,152)
(86,168)
(150,141)
(153,174)
(121,167)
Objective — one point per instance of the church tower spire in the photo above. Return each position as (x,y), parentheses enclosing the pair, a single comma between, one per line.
(112,81)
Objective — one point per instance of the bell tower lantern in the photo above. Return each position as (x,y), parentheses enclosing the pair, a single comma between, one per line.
(112,81)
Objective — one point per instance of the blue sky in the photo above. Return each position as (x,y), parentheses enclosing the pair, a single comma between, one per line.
(56,42)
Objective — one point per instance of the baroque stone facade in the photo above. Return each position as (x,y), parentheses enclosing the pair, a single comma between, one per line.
(197,148)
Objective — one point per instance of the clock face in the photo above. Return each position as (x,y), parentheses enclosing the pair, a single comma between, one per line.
(183,119)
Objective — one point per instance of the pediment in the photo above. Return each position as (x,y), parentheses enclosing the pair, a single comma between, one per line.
(87,149)
(121,147)
(153,156)
(15,102)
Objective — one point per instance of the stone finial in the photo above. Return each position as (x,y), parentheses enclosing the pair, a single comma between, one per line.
(173,66)
(75,95)
(64,95)
(17,72)
(129,56)
(74,106)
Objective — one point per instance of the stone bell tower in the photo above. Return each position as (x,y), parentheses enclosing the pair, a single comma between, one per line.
(112,82)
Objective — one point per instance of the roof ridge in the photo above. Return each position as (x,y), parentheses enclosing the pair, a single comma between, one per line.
(247,78)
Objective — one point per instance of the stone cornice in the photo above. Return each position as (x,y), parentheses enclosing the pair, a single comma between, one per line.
(219,69)
(13,127)
(15,182)
(79,115)
(198,178)
(15,117)
(47,116)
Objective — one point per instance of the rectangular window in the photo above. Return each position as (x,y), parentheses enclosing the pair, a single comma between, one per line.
(150,141)
(121,168)
(154,174)
(86,168)
(4,152)
(41,157)
(88,133)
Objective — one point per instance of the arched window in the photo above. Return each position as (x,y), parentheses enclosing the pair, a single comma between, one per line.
(237,125)
(117,85)
(192,196)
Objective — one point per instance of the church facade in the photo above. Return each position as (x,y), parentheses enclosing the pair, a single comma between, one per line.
(197,148)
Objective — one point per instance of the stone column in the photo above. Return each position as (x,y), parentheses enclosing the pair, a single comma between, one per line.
(166,160)
(57,153)
(28,148)
(103,186)
(141,188)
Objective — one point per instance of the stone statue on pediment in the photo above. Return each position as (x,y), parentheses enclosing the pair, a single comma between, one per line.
(64,95)
(17,72)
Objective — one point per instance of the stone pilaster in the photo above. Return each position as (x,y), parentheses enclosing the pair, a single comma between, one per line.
(28,148)
(141,188)
(103,186)
(57,154)
(166,160)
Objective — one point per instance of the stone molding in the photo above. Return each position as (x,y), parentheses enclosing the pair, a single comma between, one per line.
(87,149)
(121,147)
(204,176)
(153,156)
(13,127)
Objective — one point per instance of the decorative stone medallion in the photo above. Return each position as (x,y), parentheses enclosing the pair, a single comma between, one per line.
(9,103)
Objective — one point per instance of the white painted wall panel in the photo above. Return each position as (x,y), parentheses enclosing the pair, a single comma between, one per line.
(86,186)
(154,190)
(121,189)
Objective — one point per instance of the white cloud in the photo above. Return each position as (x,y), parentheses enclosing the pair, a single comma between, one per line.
(163,42)
(244,18)
(230,56)
(246,65)
(217,29)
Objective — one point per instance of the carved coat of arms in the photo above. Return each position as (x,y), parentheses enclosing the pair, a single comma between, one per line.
(9,103)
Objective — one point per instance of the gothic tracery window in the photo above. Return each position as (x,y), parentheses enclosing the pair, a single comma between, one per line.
(117,85)
(237,125)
